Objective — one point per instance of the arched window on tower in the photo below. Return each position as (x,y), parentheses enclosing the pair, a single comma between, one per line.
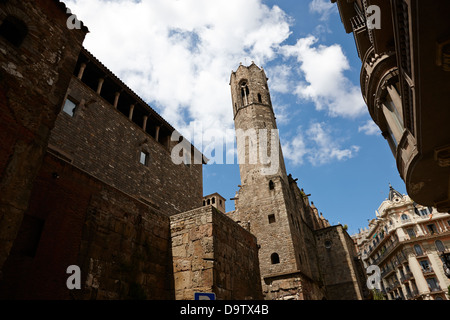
(275,258)
(271,185)
(259,98)
(245,93)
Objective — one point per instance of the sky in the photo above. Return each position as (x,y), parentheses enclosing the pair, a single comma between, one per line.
(178,56)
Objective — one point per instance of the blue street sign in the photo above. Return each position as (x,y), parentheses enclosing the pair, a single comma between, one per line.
(204,296)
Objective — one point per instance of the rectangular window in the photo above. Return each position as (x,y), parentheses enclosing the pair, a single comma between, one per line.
(433,284)
(431,228)
(70,106)
(425,266)
(144,158)
(271,218)
(411,233)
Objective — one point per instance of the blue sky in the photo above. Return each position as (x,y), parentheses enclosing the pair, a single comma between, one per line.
(178,56)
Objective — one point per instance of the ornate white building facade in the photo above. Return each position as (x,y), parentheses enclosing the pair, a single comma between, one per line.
(410,244)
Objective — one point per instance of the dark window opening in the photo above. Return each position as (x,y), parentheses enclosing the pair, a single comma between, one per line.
(432,228)
(208,202)
(275,258)
(418,250)
(426,267)
(411,233)
(138,115)
(204,203)
(259,98)
(271,185)
(213,200)
(439,246)
(14,30)
(433,284)
(272,219)
(245,93)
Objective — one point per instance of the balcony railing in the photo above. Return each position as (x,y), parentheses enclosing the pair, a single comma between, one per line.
(386,271)
(428,270)
(392,286)
(436,289)
(357,22)
(414,294)
(388,249)
(406,277)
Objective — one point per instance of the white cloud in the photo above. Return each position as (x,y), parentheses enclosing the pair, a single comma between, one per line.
(323,7)
(280,78)
(369,128)
(324,81)
(318,145)
(295,150)
(178,55)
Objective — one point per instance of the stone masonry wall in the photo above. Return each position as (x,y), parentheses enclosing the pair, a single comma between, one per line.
(212,253)
(268,205)
(122,245)
(336,253)
(102,141)
(237,273)
(34,76)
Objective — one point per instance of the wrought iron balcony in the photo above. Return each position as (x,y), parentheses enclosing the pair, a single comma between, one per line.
(428,270)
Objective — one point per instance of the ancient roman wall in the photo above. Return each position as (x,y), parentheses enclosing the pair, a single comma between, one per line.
(121,245)
(212,253)
(102,141)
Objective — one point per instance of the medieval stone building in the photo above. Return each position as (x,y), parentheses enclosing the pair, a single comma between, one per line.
(301,256)
(87,179)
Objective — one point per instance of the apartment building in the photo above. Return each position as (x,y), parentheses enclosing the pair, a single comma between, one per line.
(410,244)
(404,47)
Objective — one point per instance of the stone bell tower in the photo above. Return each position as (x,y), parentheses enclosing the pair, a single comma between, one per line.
(266,204)
(259,151)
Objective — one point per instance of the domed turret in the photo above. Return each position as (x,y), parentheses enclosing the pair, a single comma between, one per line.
(393,193)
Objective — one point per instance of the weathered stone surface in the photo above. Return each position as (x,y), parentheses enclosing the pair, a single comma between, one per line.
(104,142)
(34,77)
(92,225)
(221,256)
(272,207)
